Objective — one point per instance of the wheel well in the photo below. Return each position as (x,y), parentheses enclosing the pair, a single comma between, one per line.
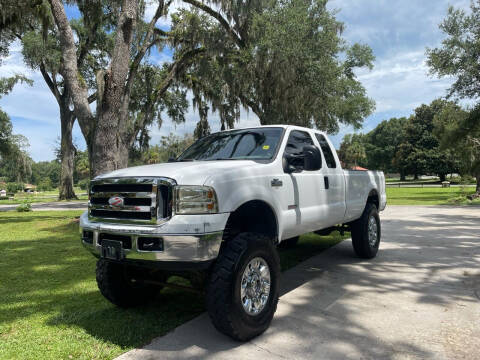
(253,216)
(373,198)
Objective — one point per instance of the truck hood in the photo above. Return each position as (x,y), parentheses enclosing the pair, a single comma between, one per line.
(184,173)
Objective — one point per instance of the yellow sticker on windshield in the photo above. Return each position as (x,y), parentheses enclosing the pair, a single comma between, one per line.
(266,147)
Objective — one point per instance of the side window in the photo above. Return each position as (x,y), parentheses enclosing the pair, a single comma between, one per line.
(327,151)
(296,141)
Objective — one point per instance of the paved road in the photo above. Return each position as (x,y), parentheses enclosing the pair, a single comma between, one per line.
(419,299)
(60,205)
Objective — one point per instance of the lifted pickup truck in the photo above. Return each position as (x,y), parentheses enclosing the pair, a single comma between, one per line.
(216,214)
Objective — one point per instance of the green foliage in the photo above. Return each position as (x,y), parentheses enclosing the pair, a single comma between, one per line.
(82,166)
(7,84)
(7,140)
(145,108)
(382,143)
(170,146)
(453,122)
(43,170)
(84,184)
(463,180)
(38,50)
(458,56)
(13,187)
(352,150)
(282,60)
(15,163)
(45,185)
(25,206)
(420,152)
(5,134)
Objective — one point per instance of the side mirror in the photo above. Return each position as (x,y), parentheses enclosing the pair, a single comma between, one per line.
(312,158)
(287,163)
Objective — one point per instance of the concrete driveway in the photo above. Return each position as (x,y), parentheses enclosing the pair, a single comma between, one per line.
(419,299)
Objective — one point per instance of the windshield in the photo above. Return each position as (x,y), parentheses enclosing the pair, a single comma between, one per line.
(251,144)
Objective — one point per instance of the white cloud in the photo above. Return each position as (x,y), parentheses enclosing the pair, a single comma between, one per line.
(401,82)
(165,21)
(36,102)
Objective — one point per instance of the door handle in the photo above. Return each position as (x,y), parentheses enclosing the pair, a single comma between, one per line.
(276,183)
(327,184)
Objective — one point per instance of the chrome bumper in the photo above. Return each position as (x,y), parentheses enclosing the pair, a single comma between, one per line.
(192,248)
(188,248)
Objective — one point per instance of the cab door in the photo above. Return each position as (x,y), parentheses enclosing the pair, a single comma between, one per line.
(303,197)
(334,190)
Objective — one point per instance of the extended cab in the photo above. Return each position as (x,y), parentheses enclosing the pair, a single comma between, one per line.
(216,214)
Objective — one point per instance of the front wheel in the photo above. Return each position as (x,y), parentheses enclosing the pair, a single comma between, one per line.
(242,290)
(119,284)
(366,233)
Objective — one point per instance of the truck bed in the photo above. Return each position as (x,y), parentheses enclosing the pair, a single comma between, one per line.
(358,185)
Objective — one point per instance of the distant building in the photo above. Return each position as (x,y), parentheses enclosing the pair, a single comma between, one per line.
(3,193)
(29,188)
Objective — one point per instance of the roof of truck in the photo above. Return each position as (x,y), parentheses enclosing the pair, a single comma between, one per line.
(277,125)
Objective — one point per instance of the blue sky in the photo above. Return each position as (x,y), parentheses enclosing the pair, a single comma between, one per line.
(397,30)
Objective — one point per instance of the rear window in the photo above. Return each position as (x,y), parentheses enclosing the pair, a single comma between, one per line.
(327,151)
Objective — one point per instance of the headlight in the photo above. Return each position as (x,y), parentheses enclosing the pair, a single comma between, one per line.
(195,200)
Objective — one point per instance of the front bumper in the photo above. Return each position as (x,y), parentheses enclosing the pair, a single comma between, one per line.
(186,247)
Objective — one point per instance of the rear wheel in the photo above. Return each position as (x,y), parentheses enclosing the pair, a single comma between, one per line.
(366,233)
(119,284)
(242,291)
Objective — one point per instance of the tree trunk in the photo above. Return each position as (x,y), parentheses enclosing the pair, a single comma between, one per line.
(402,176)
(67,155)
(477,190)
(476,195)
(442,177)
(415,177)
(109,149)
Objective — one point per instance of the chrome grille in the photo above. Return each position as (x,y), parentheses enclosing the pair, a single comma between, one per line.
(143,200)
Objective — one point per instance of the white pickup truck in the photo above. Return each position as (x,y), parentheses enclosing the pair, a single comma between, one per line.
(216,214)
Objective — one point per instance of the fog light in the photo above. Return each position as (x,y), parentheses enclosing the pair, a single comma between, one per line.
(87,236)
(150,244)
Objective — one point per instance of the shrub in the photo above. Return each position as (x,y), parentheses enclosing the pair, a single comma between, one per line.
(45,185)
(25,206)
(467,179)
(84,184)
(14,187)
(464,180)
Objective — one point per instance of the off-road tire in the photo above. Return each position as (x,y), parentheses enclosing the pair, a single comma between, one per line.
(223,287)
(360,238)
(116,285)
(289,243)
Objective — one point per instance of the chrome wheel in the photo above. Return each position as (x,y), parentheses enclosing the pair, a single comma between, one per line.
(372,231)
(255,286)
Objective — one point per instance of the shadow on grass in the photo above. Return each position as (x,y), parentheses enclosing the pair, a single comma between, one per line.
(48,272)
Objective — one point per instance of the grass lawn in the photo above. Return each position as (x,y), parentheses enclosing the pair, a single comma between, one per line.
(430,196)
(45,196)
(50,307)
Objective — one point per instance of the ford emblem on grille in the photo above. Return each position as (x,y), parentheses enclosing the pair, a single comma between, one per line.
(116,201)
